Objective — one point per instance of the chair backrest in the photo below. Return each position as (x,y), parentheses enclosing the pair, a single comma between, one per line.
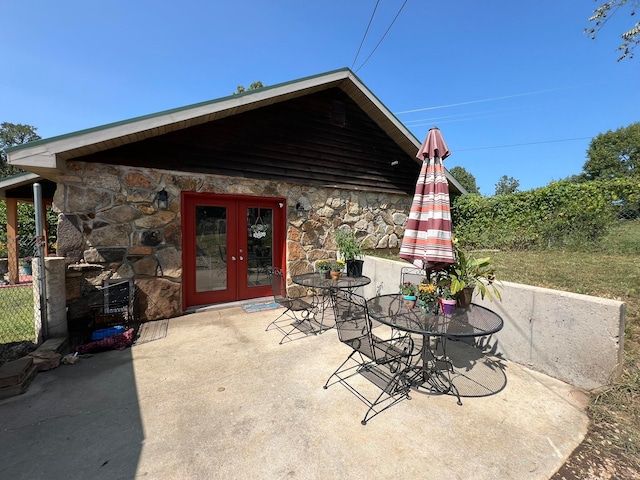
(353,323)
(413,274)
(278,284)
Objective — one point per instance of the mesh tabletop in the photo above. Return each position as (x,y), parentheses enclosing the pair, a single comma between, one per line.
(474,321)
(317,280)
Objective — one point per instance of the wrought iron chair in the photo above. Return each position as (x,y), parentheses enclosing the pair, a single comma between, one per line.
(385,363)
(413,275)
(297,319)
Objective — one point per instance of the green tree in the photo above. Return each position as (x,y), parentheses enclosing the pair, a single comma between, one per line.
(253,86)
(465,178)
(13,134)
(614,154)
(630,38)
(506,185)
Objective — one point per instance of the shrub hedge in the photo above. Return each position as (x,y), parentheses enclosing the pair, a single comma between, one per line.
(563,214)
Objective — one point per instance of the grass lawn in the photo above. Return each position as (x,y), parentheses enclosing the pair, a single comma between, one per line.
(16,314)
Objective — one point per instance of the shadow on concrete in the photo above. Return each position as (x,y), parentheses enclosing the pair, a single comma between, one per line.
(77,421)
(218,397)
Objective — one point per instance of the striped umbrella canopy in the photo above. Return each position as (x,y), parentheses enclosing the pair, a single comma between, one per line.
(427,237)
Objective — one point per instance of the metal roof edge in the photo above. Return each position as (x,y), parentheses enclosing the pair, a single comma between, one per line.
(384,108)
(17,181)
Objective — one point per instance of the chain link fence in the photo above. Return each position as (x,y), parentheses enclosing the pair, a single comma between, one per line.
(17,321)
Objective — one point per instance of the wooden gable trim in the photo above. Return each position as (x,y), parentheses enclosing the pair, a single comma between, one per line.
(298,141)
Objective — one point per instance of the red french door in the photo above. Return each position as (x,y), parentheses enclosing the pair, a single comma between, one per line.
(228,244)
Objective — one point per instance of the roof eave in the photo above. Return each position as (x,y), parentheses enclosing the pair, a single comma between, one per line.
(46,154)
(16,181)
(47,157)
(112,135)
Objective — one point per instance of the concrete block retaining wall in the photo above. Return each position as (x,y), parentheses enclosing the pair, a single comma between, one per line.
(575,338)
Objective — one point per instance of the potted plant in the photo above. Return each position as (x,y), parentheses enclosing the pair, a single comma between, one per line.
(468,273)
(427,296)
(351,251)
(323,267)
(446,299)
(409,290)
(335,269)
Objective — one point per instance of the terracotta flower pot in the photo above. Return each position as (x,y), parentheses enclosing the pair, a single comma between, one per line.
(335,275)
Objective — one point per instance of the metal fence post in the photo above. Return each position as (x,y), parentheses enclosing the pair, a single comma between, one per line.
(40,241)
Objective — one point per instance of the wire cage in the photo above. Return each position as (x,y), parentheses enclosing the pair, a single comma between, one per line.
(114,303)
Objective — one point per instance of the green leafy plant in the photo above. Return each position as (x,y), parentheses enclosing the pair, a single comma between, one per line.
(468,271)
(348,245)
(336,265)
(409,289)
(563,214)
(444,291)
(427,292)
(323,266)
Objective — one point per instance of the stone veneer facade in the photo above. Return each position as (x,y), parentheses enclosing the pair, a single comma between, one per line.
(110,228)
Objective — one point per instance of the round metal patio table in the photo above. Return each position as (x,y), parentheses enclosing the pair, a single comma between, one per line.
(474,321)
(318,283)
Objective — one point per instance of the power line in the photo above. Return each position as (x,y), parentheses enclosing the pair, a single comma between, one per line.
(469,116)
(365,33)
(383,36)
(524,144)
(482,100)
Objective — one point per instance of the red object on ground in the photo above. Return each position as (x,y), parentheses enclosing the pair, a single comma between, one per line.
(119,341)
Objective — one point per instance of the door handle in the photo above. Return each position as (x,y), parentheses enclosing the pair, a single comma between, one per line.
(233,258)
(241,258)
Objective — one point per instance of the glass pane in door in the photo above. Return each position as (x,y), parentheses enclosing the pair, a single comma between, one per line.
(211,248)
(259,245)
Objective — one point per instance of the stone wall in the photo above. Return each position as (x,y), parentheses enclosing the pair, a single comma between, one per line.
(110,227)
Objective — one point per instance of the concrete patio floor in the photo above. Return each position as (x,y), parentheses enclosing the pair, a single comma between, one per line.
(219,398)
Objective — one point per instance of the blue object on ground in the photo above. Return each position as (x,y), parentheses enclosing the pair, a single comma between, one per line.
(107,332)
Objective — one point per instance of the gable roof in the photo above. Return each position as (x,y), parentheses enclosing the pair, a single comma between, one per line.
(46,157)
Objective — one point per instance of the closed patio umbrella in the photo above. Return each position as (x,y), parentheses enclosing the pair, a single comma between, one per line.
(427,237)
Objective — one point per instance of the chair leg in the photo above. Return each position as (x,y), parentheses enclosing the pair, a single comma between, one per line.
(395,389)
(394,396)
(338,370)
(292,319)
(274,323)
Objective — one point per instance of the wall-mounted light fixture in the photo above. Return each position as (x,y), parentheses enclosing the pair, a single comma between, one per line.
(163,199)
(303,206)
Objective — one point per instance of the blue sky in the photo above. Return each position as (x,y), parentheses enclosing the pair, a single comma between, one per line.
(516,87)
